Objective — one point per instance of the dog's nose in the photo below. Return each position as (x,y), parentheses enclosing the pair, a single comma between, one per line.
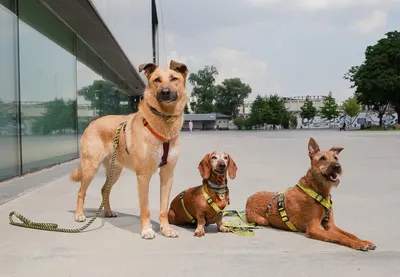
(336,167)
(222,166)
(165,91)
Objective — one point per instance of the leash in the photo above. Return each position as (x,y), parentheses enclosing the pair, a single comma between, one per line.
(53,226)
(239,225)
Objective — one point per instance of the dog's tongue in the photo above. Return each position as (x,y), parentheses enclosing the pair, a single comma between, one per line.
(333,176)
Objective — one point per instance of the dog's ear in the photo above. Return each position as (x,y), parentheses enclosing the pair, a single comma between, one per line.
(313,147)
(205,167)
(179,67)
(148,68)
(232,168)
(337,150)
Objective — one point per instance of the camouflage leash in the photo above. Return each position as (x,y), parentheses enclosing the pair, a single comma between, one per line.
(239,226)
(53,226)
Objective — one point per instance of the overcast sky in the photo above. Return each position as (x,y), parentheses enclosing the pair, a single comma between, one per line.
(291,47)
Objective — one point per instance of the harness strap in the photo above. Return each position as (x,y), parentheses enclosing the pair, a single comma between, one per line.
(327,203)
(184,207)
(282,212)
(164,157)
(211,202)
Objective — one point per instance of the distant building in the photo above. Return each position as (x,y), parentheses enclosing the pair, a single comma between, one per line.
(207,121)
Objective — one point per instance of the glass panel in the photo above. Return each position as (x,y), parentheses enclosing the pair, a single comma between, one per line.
(130,23)
(48,101)
(9,147)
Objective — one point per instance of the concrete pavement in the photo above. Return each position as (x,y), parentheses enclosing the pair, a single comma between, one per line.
(366,204)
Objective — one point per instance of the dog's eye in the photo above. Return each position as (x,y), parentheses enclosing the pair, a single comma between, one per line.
(225,157)
(214,157)
(323,158)
(174,79)
(157,80)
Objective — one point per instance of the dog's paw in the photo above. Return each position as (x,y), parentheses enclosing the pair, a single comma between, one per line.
(80,218)
(148,233)
(223,229)
(169,232)
(371,245)
(199,232)
(364,246)
(110,213)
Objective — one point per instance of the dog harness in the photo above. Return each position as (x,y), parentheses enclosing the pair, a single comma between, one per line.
(164,140)
(327,203)
(218,211)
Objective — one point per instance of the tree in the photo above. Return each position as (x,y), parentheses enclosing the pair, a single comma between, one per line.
(105,97)
(329,110)
(259,110)
(204,89)
(308,111)
(5,115)
(277,110)
(186,110)
(377,79)
(59,116)
(230,95)
(351,107)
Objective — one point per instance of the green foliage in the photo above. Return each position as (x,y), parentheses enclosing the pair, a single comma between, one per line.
(243,123)
(230,95)
(204,89)
(308,111)
(351,107)
(5,115)
(329,110)
(105,97)
(271,110)
(186,110)
(59,117)
(377,79)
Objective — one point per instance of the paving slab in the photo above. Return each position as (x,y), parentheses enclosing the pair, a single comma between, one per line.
(366,204)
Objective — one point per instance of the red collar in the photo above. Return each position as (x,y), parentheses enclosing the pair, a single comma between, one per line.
(157,135)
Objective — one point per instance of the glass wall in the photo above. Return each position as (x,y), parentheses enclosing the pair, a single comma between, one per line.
(48,100)
(9,137)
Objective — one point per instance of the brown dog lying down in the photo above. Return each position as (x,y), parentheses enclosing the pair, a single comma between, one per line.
(307,206)
(205,204)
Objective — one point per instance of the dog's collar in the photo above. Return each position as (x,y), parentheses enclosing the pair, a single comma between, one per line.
(168,118)
(218,188)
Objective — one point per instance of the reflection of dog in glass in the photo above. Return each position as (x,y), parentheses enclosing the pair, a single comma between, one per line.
(308,205)
(204,204)
(149,136)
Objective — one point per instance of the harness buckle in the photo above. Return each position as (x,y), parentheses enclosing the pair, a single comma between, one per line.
(319,198)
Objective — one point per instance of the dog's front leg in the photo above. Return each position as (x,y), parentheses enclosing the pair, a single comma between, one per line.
(166,180)
(201,222)
(143,189)
(331,226)
(315,232)
(222,228)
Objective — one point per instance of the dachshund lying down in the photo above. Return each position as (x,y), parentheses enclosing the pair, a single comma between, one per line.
(308,205)
(205,204)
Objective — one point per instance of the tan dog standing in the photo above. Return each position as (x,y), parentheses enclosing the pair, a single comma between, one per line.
(204,204)
(307,206)
(149,141)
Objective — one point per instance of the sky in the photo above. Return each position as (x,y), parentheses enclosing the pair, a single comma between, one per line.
(288,47)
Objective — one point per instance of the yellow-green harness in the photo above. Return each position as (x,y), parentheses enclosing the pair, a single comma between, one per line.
(327,203)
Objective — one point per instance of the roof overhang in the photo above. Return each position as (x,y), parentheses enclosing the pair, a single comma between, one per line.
(82,17)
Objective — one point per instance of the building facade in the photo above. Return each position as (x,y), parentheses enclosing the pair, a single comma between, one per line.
(64,64)
(207,121)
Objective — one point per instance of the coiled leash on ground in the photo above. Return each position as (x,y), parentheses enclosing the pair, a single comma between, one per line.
(239,226)
(53,226)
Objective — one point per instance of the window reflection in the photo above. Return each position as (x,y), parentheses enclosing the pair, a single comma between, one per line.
(48,101)
(9,148)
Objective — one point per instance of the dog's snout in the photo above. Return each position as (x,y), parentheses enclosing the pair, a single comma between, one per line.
(336,167)
(222,165)
(165,91)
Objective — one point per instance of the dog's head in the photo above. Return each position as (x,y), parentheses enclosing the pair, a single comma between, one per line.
(325,164)
(215,165)
(166,86)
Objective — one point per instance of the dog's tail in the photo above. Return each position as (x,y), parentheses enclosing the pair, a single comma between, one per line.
(76,175)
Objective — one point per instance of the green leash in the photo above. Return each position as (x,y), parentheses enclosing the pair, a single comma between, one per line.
(239,226)
(53,226)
